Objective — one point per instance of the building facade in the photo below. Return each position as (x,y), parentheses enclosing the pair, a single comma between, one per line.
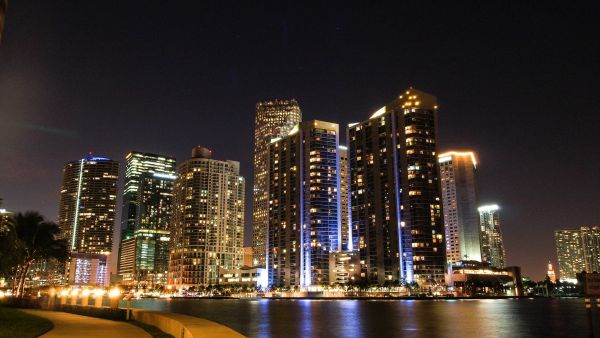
(492,246)
(273,119)
(208,220)
(147,212)
(578,250)
(344,267)
(346,231)
(459,197)
(395,192)
(87,207)
(304,205)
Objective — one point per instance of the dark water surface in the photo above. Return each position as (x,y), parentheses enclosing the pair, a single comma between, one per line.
(388,318)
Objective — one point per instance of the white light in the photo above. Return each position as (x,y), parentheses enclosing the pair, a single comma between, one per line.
(160,175)
(343,147)
(380,112)
(488,208)
(445,159)
(294,130)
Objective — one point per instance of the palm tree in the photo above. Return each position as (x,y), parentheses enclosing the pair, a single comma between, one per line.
(34,239)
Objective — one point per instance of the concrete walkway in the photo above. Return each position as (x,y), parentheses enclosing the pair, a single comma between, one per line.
(70,325)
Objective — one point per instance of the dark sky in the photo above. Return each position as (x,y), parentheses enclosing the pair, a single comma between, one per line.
(516,82)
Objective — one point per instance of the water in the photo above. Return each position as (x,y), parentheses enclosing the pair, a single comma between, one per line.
(388,318)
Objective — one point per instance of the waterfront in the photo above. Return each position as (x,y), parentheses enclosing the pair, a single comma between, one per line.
(388,318)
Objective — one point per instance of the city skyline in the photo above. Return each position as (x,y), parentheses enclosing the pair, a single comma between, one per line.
(476,112)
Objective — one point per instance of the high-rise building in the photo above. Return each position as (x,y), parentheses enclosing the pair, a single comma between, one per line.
(395,192)
(86,217)
(304,205)
(4,218)
(147,211)
(550,273)
(347,231)
(273,119)
(492,247)
(208,220)
(578,250)
(88,200)
(459,196)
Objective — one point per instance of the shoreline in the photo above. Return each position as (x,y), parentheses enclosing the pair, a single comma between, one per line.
(361,298)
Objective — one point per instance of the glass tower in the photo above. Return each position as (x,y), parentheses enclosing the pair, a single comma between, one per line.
(88,200)
(492,248)
(304,206)
(147,209)
(395,192)
(273,119)
(459,195)
(577,250)
(208,220)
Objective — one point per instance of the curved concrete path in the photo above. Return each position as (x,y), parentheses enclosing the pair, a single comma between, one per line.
(71,325)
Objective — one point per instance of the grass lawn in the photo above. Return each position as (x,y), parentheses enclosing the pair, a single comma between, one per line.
(18,324)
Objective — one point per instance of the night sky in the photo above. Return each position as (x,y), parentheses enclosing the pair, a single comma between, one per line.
(517,83)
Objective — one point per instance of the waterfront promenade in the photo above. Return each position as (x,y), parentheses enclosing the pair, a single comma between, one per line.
(71,325)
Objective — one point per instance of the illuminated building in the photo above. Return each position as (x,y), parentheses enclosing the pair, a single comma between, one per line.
(459,196)
(347,233)
(87,207)
(88,270)
(492,248)
(473,278)
(208,220)
(395,192)
(578,250)
(147,211)
(248,261)
(304,205)
(273,119)
(344,267)
(4,218)
(550,273)
(246,275)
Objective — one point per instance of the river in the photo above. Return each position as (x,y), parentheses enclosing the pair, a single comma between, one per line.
(388,318)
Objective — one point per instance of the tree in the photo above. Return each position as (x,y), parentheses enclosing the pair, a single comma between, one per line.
(33,239)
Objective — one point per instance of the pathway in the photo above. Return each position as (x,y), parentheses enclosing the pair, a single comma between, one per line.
(71,325)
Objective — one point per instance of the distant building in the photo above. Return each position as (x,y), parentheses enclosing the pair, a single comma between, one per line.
(147,212)
(247,276)
(459,196)
(396,198)
(87,269)
(492,247)
(550,273)
(274,119)
(344,267)
(304,204)
(87,204)
(578,250)
(5,215)
(208,220)
(344,173)
(473,278)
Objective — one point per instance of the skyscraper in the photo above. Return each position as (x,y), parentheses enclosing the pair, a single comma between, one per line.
(87,204)
(147,211)
(304,205)
(396,199)
(344,172)
(208,220)
(459,196)
(86,217)
(492,248)
(273,119)
(578,250)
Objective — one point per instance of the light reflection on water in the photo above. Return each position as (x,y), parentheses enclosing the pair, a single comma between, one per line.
(388,318)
